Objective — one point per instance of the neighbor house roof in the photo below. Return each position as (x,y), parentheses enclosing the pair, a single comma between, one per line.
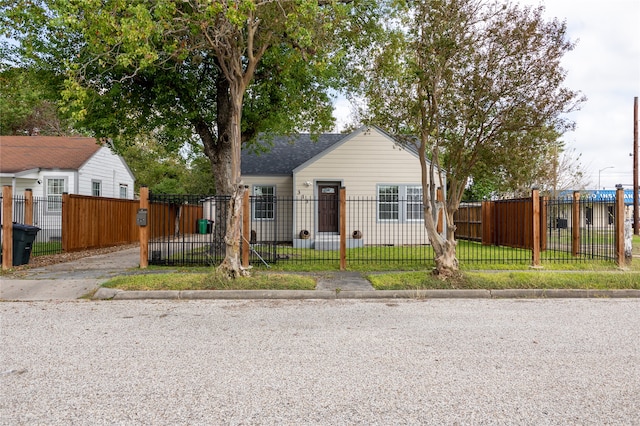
(287,153)
(20,153)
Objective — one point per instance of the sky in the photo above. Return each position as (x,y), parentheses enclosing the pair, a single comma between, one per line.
(605,67)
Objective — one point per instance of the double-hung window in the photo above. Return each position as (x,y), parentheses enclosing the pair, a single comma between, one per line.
(55,189)
(96,188)
(388,202)
(415,210)
(124,190)
(401,203)
(264,206)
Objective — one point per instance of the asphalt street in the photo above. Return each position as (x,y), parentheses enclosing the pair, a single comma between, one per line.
(329,362)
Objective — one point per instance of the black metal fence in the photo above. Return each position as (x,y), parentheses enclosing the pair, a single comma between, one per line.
(389,234)
(182,229)
(47,216)
(579,230)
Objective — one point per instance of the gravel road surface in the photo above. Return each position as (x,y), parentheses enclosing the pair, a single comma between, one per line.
(333,362)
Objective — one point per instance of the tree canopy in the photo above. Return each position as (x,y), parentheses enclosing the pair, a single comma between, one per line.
(480,86)
(222,71)
(30,102)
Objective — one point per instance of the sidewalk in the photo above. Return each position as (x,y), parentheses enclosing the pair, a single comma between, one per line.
(82,277)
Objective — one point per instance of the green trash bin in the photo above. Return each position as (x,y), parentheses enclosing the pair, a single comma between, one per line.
(23,238)
(202,226)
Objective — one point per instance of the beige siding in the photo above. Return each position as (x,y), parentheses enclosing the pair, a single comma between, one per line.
(267,230)
(364,161)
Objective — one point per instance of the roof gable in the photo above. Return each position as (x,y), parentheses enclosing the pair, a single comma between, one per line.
(20,153)
(410,149)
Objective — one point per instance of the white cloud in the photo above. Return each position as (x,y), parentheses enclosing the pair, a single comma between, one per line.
(605,66)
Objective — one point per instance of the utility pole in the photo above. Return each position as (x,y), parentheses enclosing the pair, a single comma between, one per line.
(636,213)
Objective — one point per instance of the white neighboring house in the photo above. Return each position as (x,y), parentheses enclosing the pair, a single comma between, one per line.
(52,165)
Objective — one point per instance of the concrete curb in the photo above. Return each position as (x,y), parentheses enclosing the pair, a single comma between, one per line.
(113,294)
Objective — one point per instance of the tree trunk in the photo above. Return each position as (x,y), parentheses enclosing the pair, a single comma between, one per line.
(231,265)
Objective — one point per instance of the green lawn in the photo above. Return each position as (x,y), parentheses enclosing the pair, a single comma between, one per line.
(564,274)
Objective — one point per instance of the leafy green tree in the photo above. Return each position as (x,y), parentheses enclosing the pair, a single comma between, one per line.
(166,171)
(224,70)
(29,102)
(479,85)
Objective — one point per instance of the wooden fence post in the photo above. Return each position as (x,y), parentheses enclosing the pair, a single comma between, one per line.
(144,230)
(619,224)
(7,227)
(28,207)
(66,222)
(343,228)
(575,224)
(543,223)
(487,223)
(246,227)
(535,222)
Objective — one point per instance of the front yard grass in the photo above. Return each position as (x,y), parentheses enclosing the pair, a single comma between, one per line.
(592,274)
(210,281)
(508,280)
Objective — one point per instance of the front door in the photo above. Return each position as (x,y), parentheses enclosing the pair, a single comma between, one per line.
(328,208)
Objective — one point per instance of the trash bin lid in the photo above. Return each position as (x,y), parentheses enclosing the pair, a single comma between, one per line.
(25,228)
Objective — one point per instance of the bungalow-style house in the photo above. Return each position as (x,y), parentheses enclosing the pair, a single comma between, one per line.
(52,165)
(305,176)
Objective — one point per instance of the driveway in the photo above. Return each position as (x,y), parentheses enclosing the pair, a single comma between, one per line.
(69,280)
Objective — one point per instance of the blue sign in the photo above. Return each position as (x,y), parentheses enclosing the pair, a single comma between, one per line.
(601,195)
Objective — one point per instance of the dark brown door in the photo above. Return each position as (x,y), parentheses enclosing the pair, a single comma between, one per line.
(328,208)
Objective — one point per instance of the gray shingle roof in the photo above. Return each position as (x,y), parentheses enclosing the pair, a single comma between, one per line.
(286,154)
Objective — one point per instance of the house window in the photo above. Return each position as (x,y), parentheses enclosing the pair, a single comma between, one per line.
(388,202)
(124,191)
(96,188)
(264,206)
(392,207)
(415,210)
(55,189)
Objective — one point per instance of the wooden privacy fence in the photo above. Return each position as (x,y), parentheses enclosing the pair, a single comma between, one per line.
(502,223)
(93,222)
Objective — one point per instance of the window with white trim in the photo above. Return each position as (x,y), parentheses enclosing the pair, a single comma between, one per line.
(55,189)
(388,202)
(96,188)
(124,190)
(415,210)
(402,203)
(263,205)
